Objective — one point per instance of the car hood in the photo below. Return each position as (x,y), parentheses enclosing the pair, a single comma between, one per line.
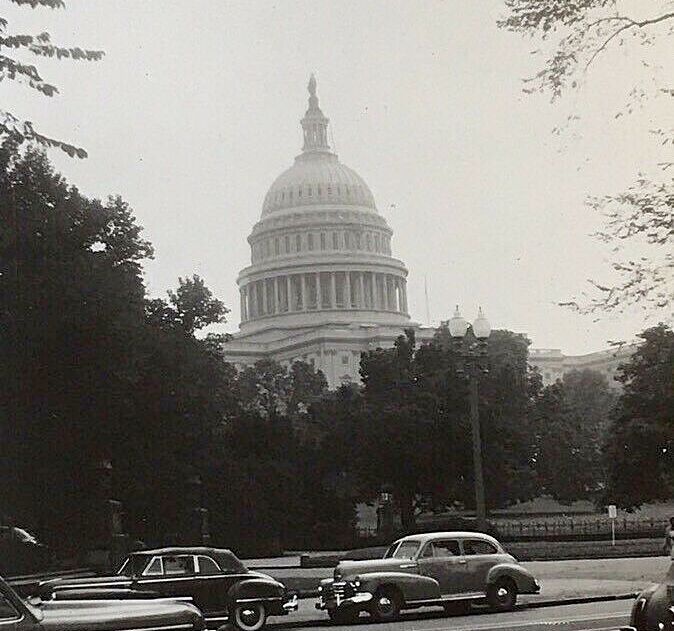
(347,569)
(91,615)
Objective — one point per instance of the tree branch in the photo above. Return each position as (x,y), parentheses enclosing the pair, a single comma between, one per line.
(630,24)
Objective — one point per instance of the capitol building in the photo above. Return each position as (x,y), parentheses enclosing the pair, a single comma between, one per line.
(323,285)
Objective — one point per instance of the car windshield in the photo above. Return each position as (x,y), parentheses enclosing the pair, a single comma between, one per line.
(389,553)
(133,566)
(406,550)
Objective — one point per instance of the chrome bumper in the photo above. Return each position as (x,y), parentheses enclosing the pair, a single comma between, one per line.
(291,605)
(359,598)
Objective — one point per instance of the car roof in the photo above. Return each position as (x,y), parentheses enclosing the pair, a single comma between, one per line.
(176,550)
(224,558)
(424,537)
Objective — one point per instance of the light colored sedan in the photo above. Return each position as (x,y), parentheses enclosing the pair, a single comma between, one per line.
(449,569)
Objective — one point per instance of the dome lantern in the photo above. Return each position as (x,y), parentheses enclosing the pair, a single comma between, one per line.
(314,123)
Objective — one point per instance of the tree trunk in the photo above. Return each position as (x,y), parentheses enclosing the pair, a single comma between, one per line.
(407,516)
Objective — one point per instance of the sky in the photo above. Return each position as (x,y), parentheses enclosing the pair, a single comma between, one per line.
(195,110)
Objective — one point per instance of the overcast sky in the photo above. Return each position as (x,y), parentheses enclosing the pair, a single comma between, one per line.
(195,110)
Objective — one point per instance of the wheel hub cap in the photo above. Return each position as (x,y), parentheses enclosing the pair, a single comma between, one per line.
(385,603)
(249,616)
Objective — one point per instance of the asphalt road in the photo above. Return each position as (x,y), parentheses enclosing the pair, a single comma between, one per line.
(604,616)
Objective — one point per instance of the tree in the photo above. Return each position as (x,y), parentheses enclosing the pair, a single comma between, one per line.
(72,309)
(414,433)
(576,34)
(13,69)
(190,307)
(640,449)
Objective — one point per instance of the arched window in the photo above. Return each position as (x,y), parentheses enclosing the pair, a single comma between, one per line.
(357,240)
(309,190)
(298,243)
(335,240)
(310,241)
(287,244)
(368,241)
(322,240)
(277,247)
(377,245)
(347,240)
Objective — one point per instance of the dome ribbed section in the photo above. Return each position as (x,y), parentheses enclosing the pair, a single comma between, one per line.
(317,179)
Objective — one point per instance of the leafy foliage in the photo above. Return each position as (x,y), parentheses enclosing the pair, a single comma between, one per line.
(640,449)
(570,424)
(574,34)
(412,432)
(13,69)
(94,371)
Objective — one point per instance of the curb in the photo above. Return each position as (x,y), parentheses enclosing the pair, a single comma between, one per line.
(305,594)
(578,600)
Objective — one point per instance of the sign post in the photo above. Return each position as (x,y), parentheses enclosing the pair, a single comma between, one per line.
(612,515)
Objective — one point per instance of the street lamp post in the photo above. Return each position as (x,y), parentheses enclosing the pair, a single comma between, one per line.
(473,356)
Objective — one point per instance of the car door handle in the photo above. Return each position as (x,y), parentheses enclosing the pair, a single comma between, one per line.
(462,561)
(407,566)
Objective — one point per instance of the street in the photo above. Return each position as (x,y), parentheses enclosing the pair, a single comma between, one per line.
(603,616)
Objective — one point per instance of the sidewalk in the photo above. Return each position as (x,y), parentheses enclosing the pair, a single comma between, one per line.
(590,579)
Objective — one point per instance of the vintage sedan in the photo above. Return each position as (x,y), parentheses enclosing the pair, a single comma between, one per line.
(165,614)
(653,610)
(447,569)
(216,580)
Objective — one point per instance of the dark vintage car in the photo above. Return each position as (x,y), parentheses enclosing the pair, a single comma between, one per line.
(218,583)
(18,614)
(653,609)
(449,569)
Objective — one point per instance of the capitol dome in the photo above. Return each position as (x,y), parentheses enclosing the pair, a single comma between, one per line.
(320,253)
(317,178)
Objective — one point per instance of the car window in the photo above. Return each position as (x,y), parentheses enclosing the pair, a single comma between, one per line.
(406,550)
(447,548)
(476,546)
(175,565)
(154,569)
(7,609)
(134,566)
(389,553)
(208,566)
(427,552)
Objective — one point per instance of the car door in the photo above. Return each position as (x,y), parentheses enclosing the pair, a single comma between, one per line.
(177,577)
(214,586)
(480,557)
(442,560)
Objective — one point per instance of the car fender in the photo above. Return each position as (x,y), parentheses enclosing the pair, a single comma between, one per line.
(411,586)
(252,589)
(105,594)
(526,583)
(651,607)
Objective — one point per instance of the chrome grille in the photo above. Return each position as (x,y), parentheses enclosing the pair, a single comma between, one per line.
(337,592)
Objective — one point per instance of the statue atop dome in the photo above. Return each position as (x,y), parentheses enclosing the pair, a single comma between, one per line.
(314,123)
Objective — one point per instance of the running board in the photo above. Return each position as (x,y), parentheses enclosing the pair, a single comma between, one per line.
(448,599)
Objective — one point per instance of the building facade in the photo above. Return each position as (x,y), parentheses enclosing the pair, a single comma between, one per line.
(323,285)
(553,364)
